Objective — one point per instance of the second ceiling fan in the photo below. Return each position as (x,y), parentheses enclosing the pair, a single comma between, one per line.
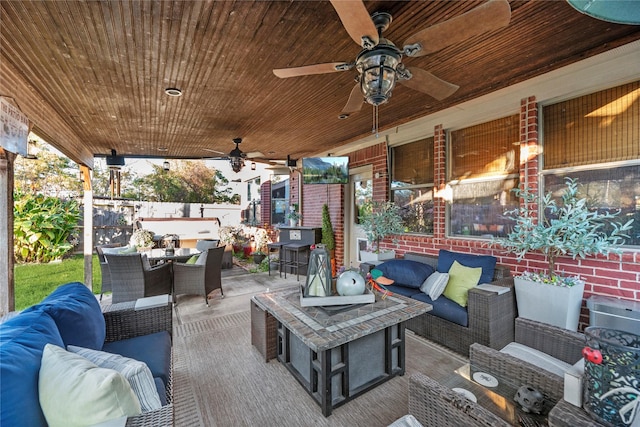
(379,64)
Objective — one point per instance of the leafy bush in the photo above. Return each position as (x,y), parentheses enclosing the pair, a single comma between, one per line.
(379,220)
(568,227)
(44,228)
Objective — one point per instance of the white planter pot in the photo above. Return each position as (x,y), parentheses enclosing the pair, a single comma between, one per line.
(368,256)
(554,305)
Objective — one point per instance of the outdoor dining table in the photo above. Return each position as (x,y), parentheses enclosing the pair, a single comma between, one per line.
(156,256)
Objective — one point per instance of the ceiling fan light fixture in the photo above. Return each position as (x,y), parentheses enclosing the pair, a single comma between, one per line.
(378,73)
(236,156)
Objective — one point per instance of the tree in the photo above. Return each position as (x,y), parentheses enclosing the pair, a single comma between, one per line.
(187,182)
(49,173)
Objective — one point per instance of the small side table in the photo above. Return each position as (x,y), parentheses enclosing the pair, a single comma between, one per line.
(263,332)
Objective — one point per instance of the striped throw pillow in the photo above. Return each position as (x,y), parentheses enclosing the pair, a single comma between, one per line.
(136,372)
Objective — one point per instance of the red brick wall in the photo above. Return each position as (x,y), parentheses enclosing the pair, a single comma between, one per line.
(616,275)
(316,195)
(265,204)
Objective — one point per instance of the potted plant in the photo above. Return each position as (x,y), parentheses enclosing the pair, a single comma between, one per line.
(260,240)
(141,239)
(328,237)
(568,227)
(379,220)
(294,214)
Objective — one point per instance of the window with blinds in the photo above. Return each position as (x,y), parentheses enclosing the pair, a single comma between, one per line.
(596,128)
(487,149)
(412,164)
(582,139)
(412,173)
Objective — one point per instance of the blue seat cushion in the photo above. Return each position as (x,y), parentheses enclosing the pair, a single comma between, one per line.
(487,262)
(407,273)
(446,309)
(162,391)
(22,340)
(153,349)
(77,313)
(403,290)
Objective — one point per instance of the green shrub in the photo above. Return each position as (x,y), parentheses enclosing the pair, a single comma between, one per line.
(44,228)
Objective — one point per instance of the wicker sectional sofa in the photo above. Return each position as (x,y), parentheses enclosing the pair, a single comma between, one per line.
(71,316)
(490,317)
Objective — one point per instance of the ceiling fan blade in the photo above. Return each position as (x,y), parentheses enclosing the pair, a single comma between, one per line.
(356,20)
(255,155)
(354,104)
(490,16)
(424,81)
(306,70)
(214,151)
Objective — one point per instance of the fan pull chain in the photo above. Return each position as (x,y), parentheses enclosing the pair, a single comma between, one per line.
(376,120)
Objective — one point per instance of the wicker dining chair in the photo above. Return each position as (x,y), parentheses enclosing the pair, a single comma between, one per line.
(201,245)
(132,277)
(200,278)
(104,267)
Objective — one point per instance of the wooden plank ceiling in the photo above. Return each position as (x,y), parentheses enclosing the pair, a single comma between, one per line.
(102,67)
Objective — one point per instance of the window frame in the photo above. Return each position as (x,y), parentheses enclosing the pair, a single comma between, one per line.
(430,186)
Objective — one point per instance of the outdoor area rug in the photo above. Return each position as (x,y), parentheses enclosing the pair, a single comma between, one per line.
(221,380)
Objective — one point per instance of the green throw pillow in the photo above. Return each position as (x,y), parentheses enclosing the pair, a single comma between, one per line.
(461,279)
(193,259)
(129,250)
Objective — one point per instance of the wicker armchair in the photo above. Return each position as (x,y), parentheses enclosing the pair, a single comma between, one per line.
(434,405)
(123,322)
(560,343)
(132,277)
(200,278)
(491,316)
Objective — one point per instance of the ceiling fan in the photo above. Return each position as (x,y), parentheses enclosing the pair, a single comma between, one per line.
(379,64)
(237,156)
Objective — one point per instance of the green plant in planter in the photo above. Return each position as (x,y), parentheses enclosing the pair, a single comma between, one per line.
(328,238)
(379,220)
(294,212)
(567,228)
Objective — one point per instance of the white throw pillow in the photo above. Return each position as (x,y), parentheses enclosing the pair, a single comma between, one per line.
(435,284)
(75,392)
(137,373)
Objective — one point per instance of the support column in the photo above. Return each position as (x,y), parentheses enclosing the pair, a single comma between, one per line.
(7,285)
(88,227)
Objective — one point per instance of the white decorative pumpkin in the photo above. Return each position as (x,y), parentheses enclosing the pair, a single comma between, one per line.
(350,283)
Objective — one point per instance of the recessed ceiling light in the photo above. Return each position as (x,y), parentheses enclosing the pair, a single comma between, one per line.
(172,91)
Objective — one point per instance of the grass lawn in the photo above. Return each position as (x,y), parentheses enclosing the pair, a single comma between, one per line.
(33,282)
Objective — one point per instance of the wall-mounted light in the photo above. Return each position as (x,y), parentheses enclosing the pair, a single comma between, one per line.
(253,166)
(166,166)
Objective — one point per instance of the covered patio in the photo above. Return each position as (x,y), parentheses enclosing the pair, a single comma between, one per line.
(94,77)
(186,79)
